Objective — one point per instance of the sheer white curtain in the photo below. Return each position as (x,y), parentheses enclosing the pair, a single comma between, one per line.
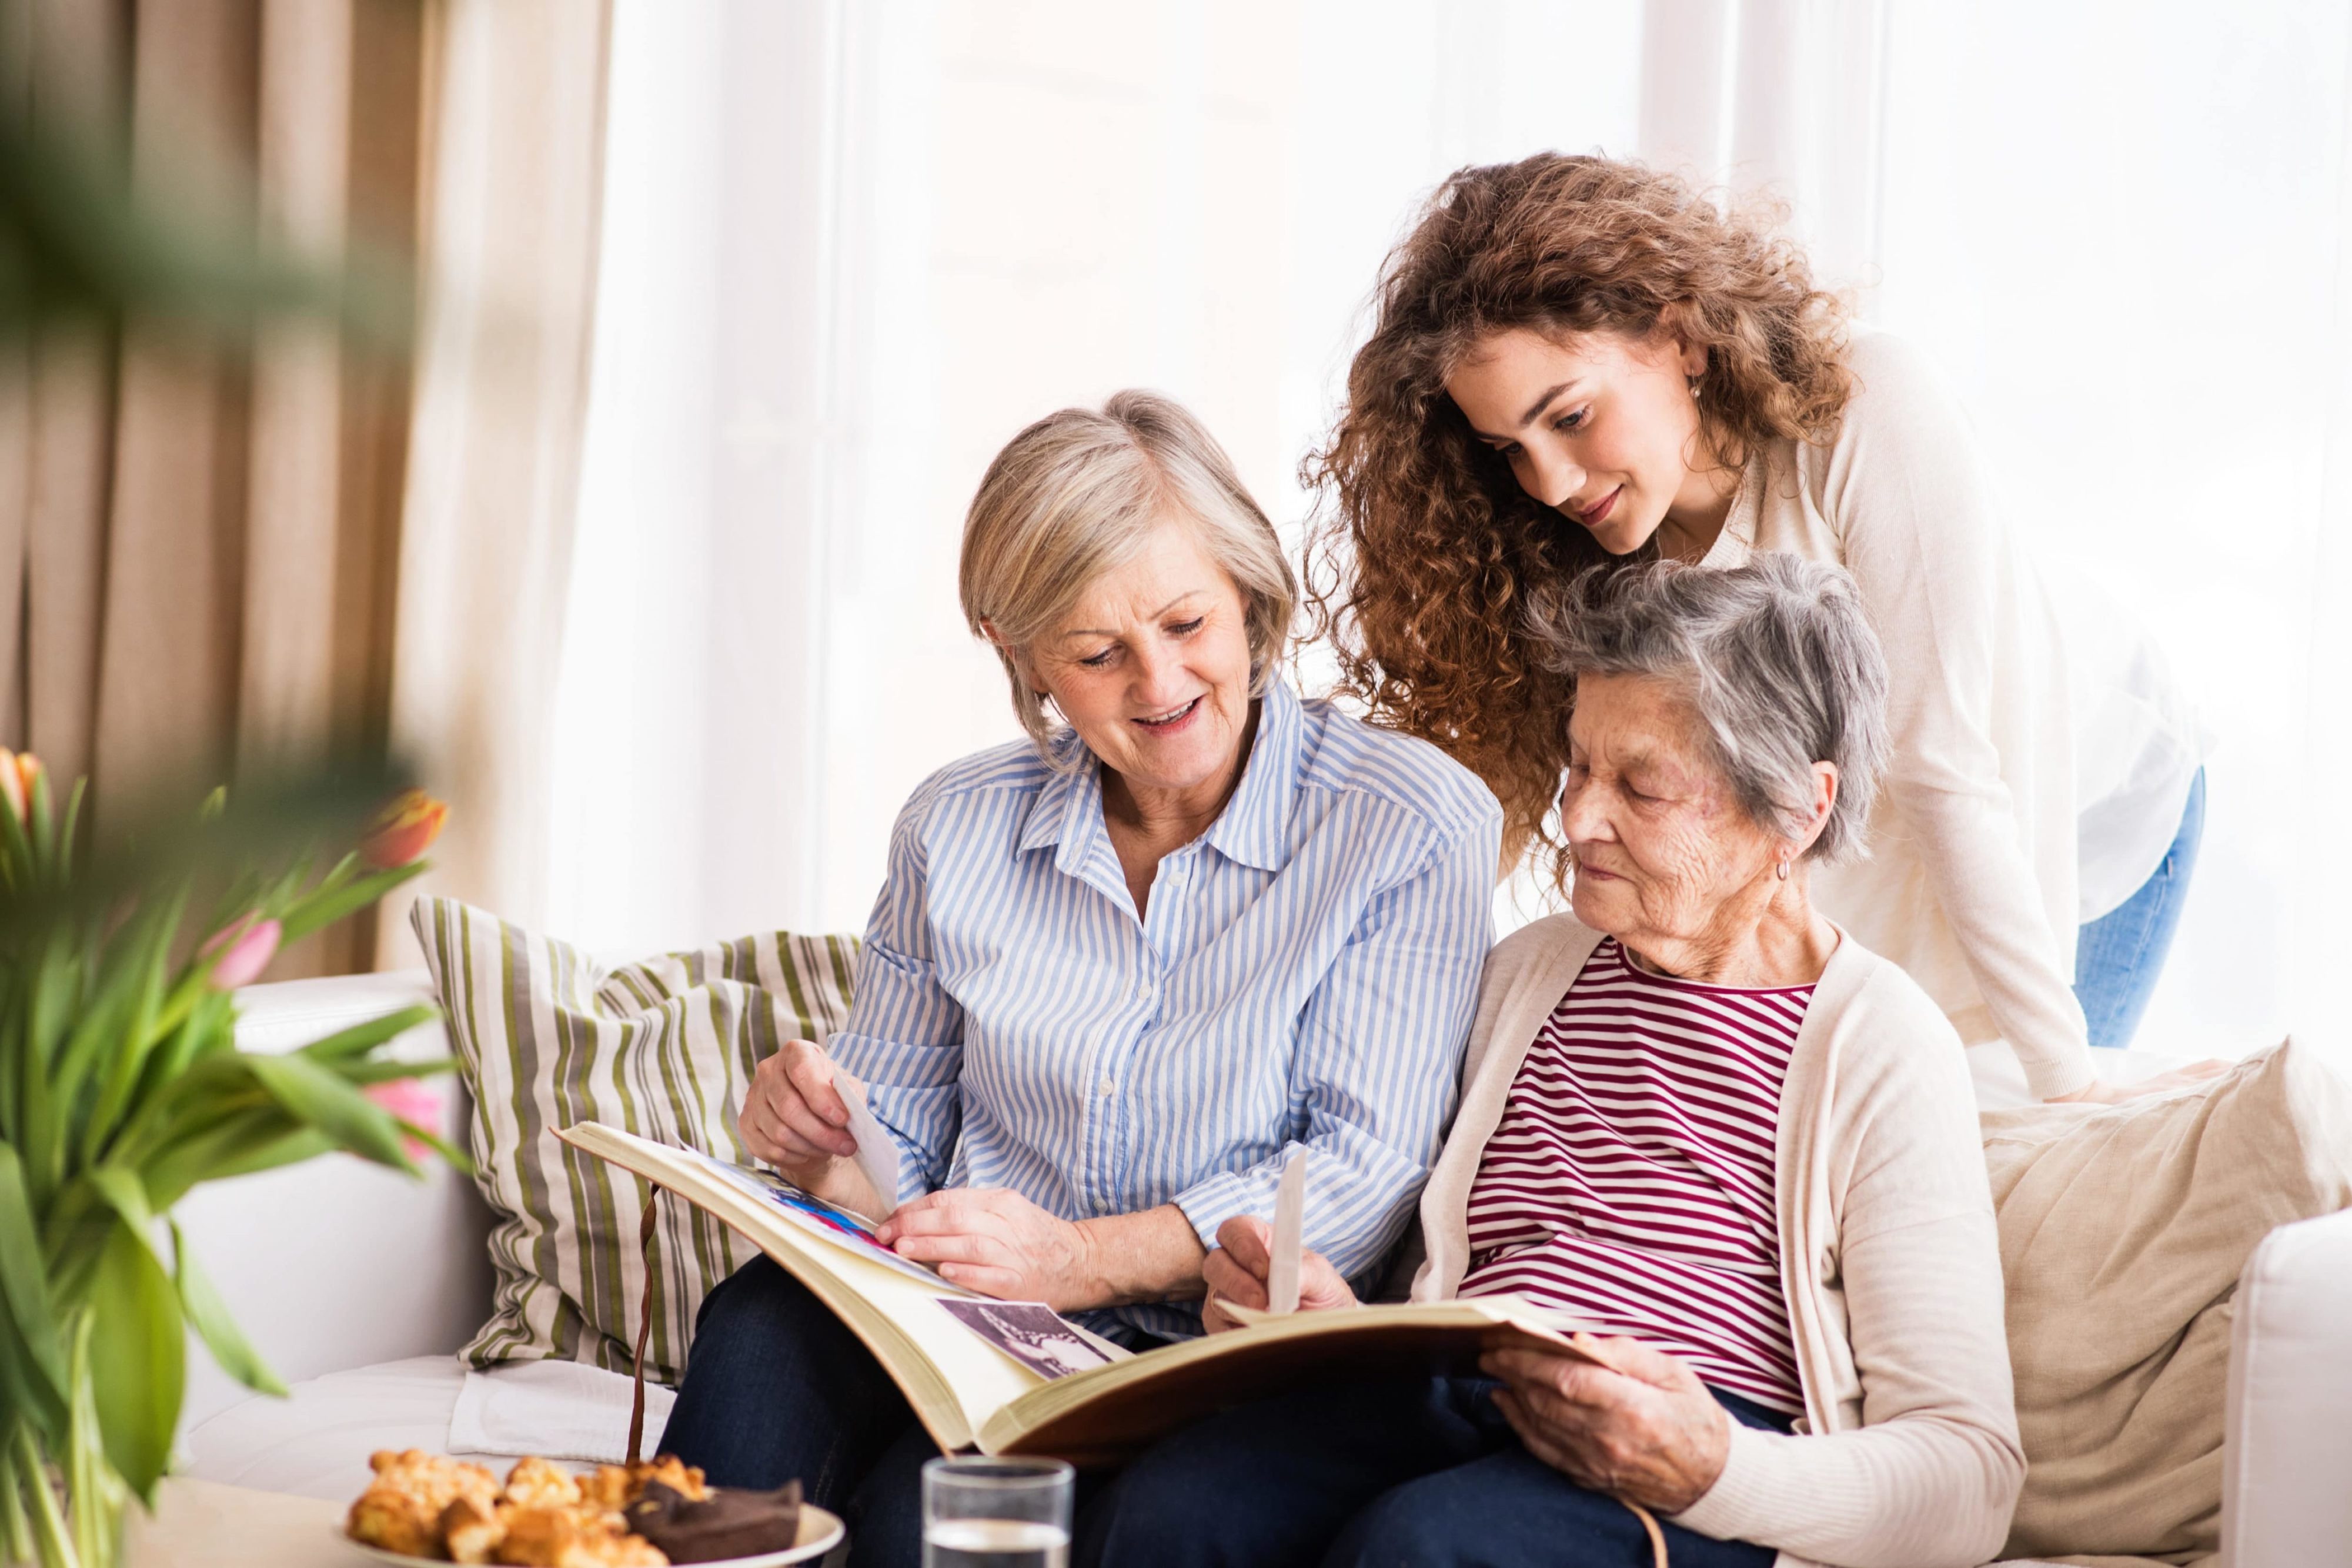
(851,249)
(2121,227)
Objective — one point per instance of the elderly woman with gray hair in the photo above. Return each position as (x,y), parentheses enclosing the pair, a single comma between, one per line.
(1119,970)
(1730,1148)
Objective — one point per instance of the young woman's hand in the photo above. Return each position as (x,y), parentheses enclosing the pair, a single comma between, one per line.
(1647,1431)
(1237,1271)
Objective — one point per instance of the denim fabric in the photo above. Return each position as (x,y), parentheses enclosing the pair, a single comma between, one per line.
(776,1388)
(2119,956)
(1424,1472)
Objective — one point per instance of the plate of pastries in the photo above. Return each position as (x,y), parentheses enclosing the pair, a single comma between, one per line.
(423,1507)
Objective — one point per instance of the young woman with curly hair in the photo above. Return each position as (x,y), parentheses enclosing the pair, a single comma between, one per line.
(1577,362)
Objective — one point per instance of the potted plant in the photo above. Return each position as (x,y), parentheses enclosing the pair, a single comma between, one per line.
(121,1088)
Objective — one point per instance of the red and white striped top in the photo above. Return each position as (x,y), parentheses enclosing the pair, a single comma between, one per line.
(1629,1181)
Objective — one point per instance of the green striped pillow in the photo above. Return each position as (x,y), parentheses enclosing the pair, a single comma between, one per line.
(662,1049)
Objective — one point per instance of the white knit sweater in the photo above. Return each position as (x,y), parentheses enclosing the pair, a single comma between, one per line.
(1907,1454)
(1970,885)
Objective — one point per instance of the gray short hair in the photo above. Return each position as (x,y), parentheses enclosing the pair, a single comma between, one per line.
(1078,494)
(1776,657)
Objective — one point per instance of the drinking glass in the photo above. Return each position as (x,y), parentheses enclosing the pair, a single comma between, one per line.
(996,1513)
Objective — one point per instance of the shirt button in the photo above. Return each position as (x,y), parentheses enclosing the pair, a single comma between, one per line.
(1106,1087)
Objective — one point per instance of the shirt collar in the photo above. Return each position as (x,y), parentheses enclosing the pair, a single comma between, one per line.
(1735,542)
(1252,829)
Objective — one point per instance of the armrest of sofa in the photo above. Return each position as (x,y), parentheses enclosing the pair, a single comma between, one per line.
(2286,1451)
(335,1263)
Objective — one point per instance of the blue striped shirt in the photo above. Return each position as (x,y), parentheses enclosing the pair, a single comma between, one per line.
(1304,974)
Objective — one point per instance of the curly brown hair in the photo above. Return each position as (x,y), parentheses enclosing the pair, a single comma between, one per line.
(1425,552)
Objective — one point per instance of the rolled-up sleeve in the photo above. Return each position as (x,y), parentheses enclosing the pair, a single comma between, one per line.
(904,1039)
(1378,1057)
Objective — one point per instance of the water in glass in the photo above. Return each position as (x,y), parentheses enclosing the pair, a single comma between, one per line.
(995,1543)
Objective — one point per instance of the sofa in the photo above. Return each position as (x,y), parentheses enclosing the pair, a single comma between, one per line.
(357,1284)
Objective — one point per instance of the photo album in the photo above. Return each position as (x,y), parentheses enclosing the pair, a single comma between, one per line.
(1018,1377)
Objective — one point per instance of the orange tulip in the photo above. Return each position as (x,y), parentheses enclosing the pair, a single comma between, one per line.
(404,831)
(18,769)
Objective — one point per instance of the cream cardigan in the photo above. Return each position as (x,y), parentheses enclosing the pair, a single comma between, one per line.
(1972,881)
(1888,1260)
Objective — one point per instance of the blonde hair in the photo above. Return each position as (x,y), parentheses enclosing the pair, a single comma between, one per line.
(1078,494)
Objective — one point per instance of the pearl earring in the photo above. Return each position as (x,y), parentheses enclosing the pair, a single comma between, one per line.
(1695,384)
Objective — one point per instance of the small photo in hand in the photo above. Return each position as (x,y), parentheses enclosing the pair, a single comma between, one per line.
(1031,1332)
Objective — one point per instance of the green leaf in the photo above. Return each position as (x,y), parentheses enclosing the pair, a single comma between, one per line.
(137,1359)
(318,1098)
(66,835)
(360,1039)
(326,906)
(454,1157)
(257,1141)
(126,1195)
(209,1316)
(44,832)
(24,1284)
(390,1071)
(15,1524)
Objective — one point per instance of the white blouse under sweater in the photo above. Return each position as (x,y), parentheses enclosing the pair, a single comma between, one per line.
(1972,882)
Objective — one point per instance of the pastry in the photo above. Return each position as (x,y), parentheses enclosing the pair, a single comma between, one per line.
(401,1509)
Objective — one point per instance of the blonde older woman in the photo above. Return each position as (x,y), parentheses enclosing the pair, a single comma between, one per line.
(1118,969)
(1702,1124)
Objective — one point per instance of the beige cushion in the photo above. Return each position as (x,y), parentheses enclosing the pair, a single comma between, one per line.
(2123,1229)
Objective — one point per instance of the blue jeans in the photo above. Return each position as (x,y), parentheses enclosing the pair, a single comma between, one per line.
(1423,1472)
(776,1388)
(2119,956)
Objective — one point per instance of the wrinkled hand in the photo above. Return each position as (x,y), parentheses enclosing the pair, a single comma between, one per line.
(2101,1091)
(793,1116)
(1648,1431)
(995,1241)
(1237,1270)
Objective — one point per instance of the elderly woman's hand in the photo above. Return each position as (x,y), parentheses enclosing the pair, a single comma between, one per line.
(1642,1426)
(792,1116)
(995,1241)
(1237,1271)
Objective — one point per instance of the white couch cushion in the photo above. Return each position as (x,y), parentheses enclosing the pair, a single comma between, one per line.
(317,1441)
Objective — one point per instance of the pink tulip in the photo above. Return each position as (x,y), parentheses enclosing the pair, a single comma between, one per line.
(410,1100)
(249,948)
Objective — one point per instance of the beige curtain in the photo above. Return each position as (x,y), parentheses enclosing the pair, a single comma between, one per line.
(211,554)
(516,174)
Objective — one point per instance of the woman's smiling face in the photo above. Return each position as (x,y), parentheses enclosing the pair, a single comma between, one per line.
(1601,427)
(1152,667)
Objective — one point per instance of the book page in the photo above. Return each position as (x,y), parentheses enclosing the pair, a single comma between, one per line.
(890,1302)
